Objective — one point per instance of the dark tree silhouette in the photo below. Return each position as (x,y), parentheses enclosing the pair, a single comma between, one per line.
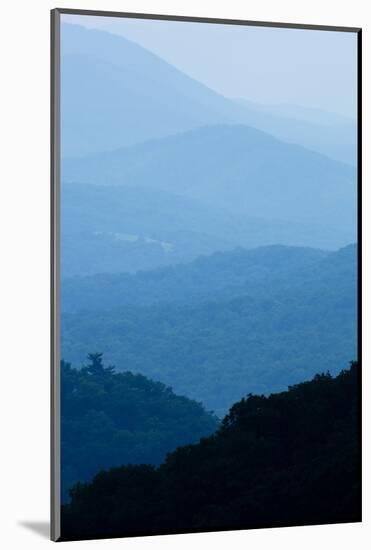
(291,458)
(110,418)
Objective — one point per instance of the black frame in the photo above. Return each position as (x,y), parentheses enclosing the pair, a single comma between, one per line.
(55,533)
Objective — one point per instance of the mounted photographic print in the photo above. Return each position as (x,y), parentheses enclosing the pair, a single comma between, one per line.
(205,275)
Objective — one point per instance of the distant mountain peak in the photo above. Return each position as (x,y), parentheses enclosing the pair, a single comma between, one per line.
(116,93)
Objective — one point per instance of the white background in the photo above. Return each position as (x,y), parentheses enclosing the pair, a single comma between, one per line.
(24,254)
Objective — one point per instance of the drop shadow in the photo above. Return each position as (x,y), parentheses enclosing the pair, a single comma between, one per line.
(42,528)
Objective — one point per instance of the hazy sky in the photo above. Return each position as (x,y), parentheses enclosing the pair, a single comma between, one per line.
(263,64)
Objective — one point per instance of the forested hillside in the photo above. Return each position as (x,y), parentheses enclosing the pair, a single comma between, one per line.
(271,317)
(116,229)
(262,272)
(111,418)
(233,167)
(168,201)
(291,458)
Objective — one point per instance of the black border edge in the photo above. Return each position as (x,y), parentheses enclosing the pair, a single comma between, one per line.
(55,496)
(359,251)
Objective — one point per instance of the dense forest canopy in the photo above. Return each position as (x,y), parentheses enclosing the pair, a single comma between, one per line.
(111,418)
(288,459)
(273,315)
(259,271)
